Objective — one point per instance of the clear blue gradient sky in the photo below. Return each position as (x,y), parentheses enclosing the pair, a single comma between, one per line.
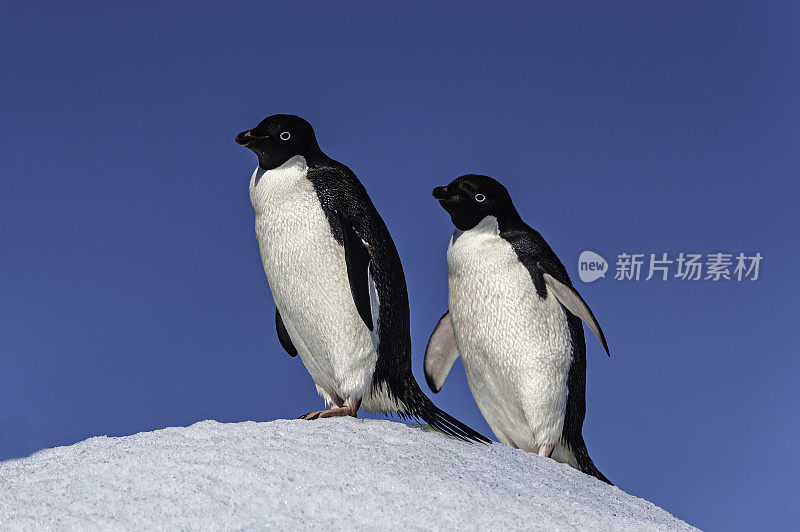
(133,296)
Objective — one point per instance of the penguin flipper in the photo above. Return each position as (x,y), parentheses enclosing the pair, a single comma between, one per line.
(441,353)
(572,300)
(357,256)
(283,335)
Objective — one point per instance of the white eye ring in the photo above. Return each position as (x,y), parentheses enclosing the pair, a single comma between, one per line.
(285,135)
(480,198)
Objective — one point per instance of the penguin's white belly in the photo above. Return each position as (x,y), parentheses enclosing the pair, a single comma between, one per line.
(515,346)
(307,275)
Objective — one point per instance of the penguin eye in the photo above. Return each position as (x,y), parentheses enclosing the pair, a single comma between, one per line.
(480,198)
(285,135)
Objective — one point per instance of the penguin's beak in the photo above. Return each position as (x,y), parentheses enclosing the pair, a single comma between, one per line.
(244,138)
(448,197)
(440,193)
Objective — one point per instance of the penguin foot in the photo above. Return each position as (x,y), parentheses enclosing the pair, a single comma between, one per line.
(331,412)
(350,408)
(545,450)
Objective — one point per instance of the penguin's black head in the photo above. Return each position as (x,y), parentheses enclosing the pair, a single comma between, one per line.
(278,138)
(471,198)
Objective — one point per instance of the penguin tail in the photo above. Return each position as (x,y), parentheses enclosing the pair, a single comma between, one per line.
(590,469)
(418,405)
(585,463)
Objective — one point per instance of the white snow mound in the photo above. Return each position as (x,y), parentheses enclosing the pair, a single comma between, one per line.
(328,474)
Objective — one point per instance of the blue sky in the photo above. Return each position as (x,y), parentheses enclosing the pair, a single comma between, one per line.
(133,297)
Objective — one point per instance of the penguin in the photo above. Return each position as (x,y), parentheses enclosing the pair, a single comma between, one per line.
(336,278)
(515,319)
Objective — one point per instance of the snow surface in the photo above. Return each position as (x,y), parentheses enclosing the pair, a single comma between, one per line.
(328,474)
